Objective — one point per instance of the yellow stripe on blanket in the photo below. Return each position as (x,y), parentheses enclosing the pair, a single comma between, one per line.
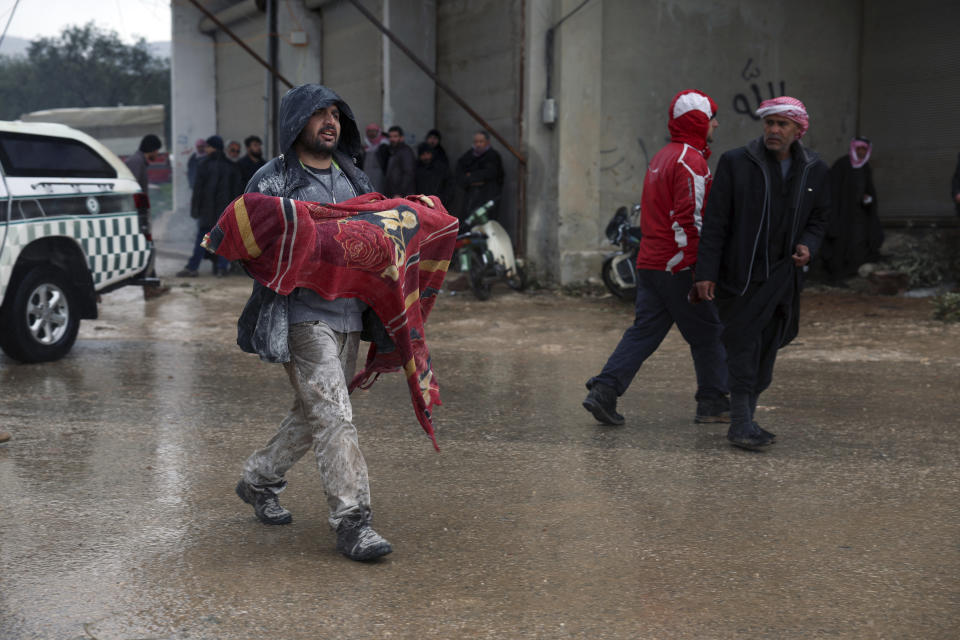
(246,233)
(410,368)
(413,297)
(434,265)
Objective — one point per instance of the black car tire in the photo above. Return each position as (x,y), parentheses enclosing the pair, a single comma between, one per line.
(24,335)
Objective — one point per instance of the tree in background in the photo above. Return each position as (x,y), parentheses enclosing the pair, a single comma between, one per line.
(83,67)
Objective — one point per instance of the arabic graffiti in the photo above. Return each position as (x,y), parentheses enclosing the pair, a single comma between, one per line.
(742,104)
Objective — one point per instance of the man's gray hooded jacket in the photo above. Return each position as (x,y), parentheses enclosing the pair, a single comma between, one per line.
(263,324)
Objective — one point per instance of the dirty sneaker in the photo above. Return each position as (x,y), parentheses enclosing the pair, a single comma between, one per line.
(357,540)
(713,410)
(265,504)
(602,403)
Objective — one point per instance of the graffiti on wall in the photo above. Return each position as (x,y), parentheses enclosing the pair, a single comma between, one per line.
(745,104)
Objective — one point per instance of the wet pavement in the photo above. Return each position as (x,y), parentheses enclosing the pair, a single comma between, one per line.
(118,519)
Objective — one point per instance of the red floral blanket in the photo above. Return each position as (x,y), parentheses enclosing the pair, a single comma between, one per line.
(392,254)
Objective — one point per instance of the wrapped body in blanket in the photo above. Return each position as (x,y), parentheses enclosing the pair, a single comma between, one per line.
(391,253)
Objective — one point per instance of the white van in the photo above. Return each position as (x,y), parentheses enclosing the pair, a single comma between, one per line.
(73,225)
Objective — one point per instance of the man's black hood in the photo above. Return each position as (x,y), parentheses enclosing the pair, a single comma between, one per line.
(299,103)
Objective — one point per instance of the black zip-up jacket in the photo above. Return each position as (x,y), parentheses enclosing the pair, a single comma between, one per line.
(738,204)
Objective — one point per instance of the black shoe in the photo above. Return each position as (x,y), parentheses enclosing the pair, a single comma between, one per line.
(749,436)
(713,410)
(357,540)
(187,273)
(772,436)
(265,504)
(602,403)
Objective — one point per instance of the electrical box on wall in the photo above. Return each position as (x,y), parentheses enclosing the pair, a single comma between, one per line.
(298,38)
(548,113)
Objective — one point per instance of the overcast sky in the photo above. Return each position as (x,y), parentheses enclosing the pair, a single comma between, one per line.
(129,18)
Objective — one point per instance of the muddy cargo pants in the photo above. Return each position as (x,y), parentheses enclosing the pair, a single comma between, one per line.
(321,362)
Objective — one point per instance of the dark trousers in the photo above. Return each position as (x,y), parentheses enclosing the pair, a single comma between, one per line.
(661,301)
(199,253)
(750,358)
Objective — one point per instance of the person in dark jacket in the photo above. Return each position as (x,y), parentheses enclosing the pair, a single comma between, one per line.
(854,234)
(955,186)
(400,174)
(479,175)
(765,218)
(139,164)
(194,160)
(433,138)
(316,339)
(675,187)
(431,176)
(253,160)
(217,184)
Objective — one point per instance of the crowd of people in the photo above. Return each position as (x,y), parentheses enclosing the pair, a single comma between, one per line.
(217,173)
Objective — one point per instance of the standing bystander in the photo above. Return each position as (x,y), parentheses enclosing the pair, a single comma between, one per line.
(674,191)
(139,164)
(854,234)
(480,176)
(217,184)
(399,180)
(764,220)
(253,160)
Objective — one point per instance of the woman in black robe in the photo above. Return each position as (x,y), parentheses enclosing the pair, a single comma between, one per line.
(854,234)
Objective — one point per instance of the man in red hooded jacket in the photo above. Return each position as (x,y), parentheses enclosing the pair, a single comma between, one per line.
(674,192)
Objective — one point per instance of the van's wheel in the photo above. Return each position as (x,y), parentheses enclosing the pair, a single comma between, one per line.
(40,317)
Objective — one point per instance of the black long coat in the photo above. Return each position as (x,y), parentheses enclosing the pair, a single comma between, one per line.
(218,183)
(481,179)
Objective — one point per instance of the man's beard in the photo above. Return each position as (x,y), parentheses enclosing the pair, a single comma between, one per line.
(256,154)
(320,146)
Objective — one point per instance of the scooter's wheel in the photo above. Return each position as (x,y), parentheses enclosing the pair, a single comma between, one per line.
(479,285)
(519,280)
(624,293)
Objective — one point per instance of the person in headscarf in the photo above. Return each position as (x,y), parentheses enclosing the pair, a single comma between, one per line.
(764,220)
(375,155)
(316,339)
(675,187)
(854,234)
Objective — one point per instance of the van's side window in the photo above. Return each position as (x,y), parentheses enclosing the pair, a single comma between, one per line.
(29,156)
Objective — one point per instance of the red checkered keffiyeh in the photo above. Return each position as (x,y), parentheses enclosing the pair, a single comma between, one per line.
(392,254)
(787,107)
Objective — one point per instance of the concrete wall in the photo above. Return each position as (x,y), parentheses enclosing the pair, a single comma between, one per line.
(479,55)
(541,232)
(408,91)
(240,80)
(352,56)
(911,88)
(193,96)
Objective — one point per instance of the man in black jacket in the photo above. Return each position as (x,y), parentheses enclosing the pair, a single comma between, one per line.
(217,183)
(765,218)
(480,175)
(399,177)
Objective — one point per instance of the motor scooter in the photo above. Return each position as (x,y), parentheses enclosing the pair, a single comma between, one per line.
(619,270)
(485,254)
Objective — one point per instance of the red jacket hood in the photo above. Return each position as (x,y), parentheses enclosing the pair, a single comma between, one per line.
(690,114)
